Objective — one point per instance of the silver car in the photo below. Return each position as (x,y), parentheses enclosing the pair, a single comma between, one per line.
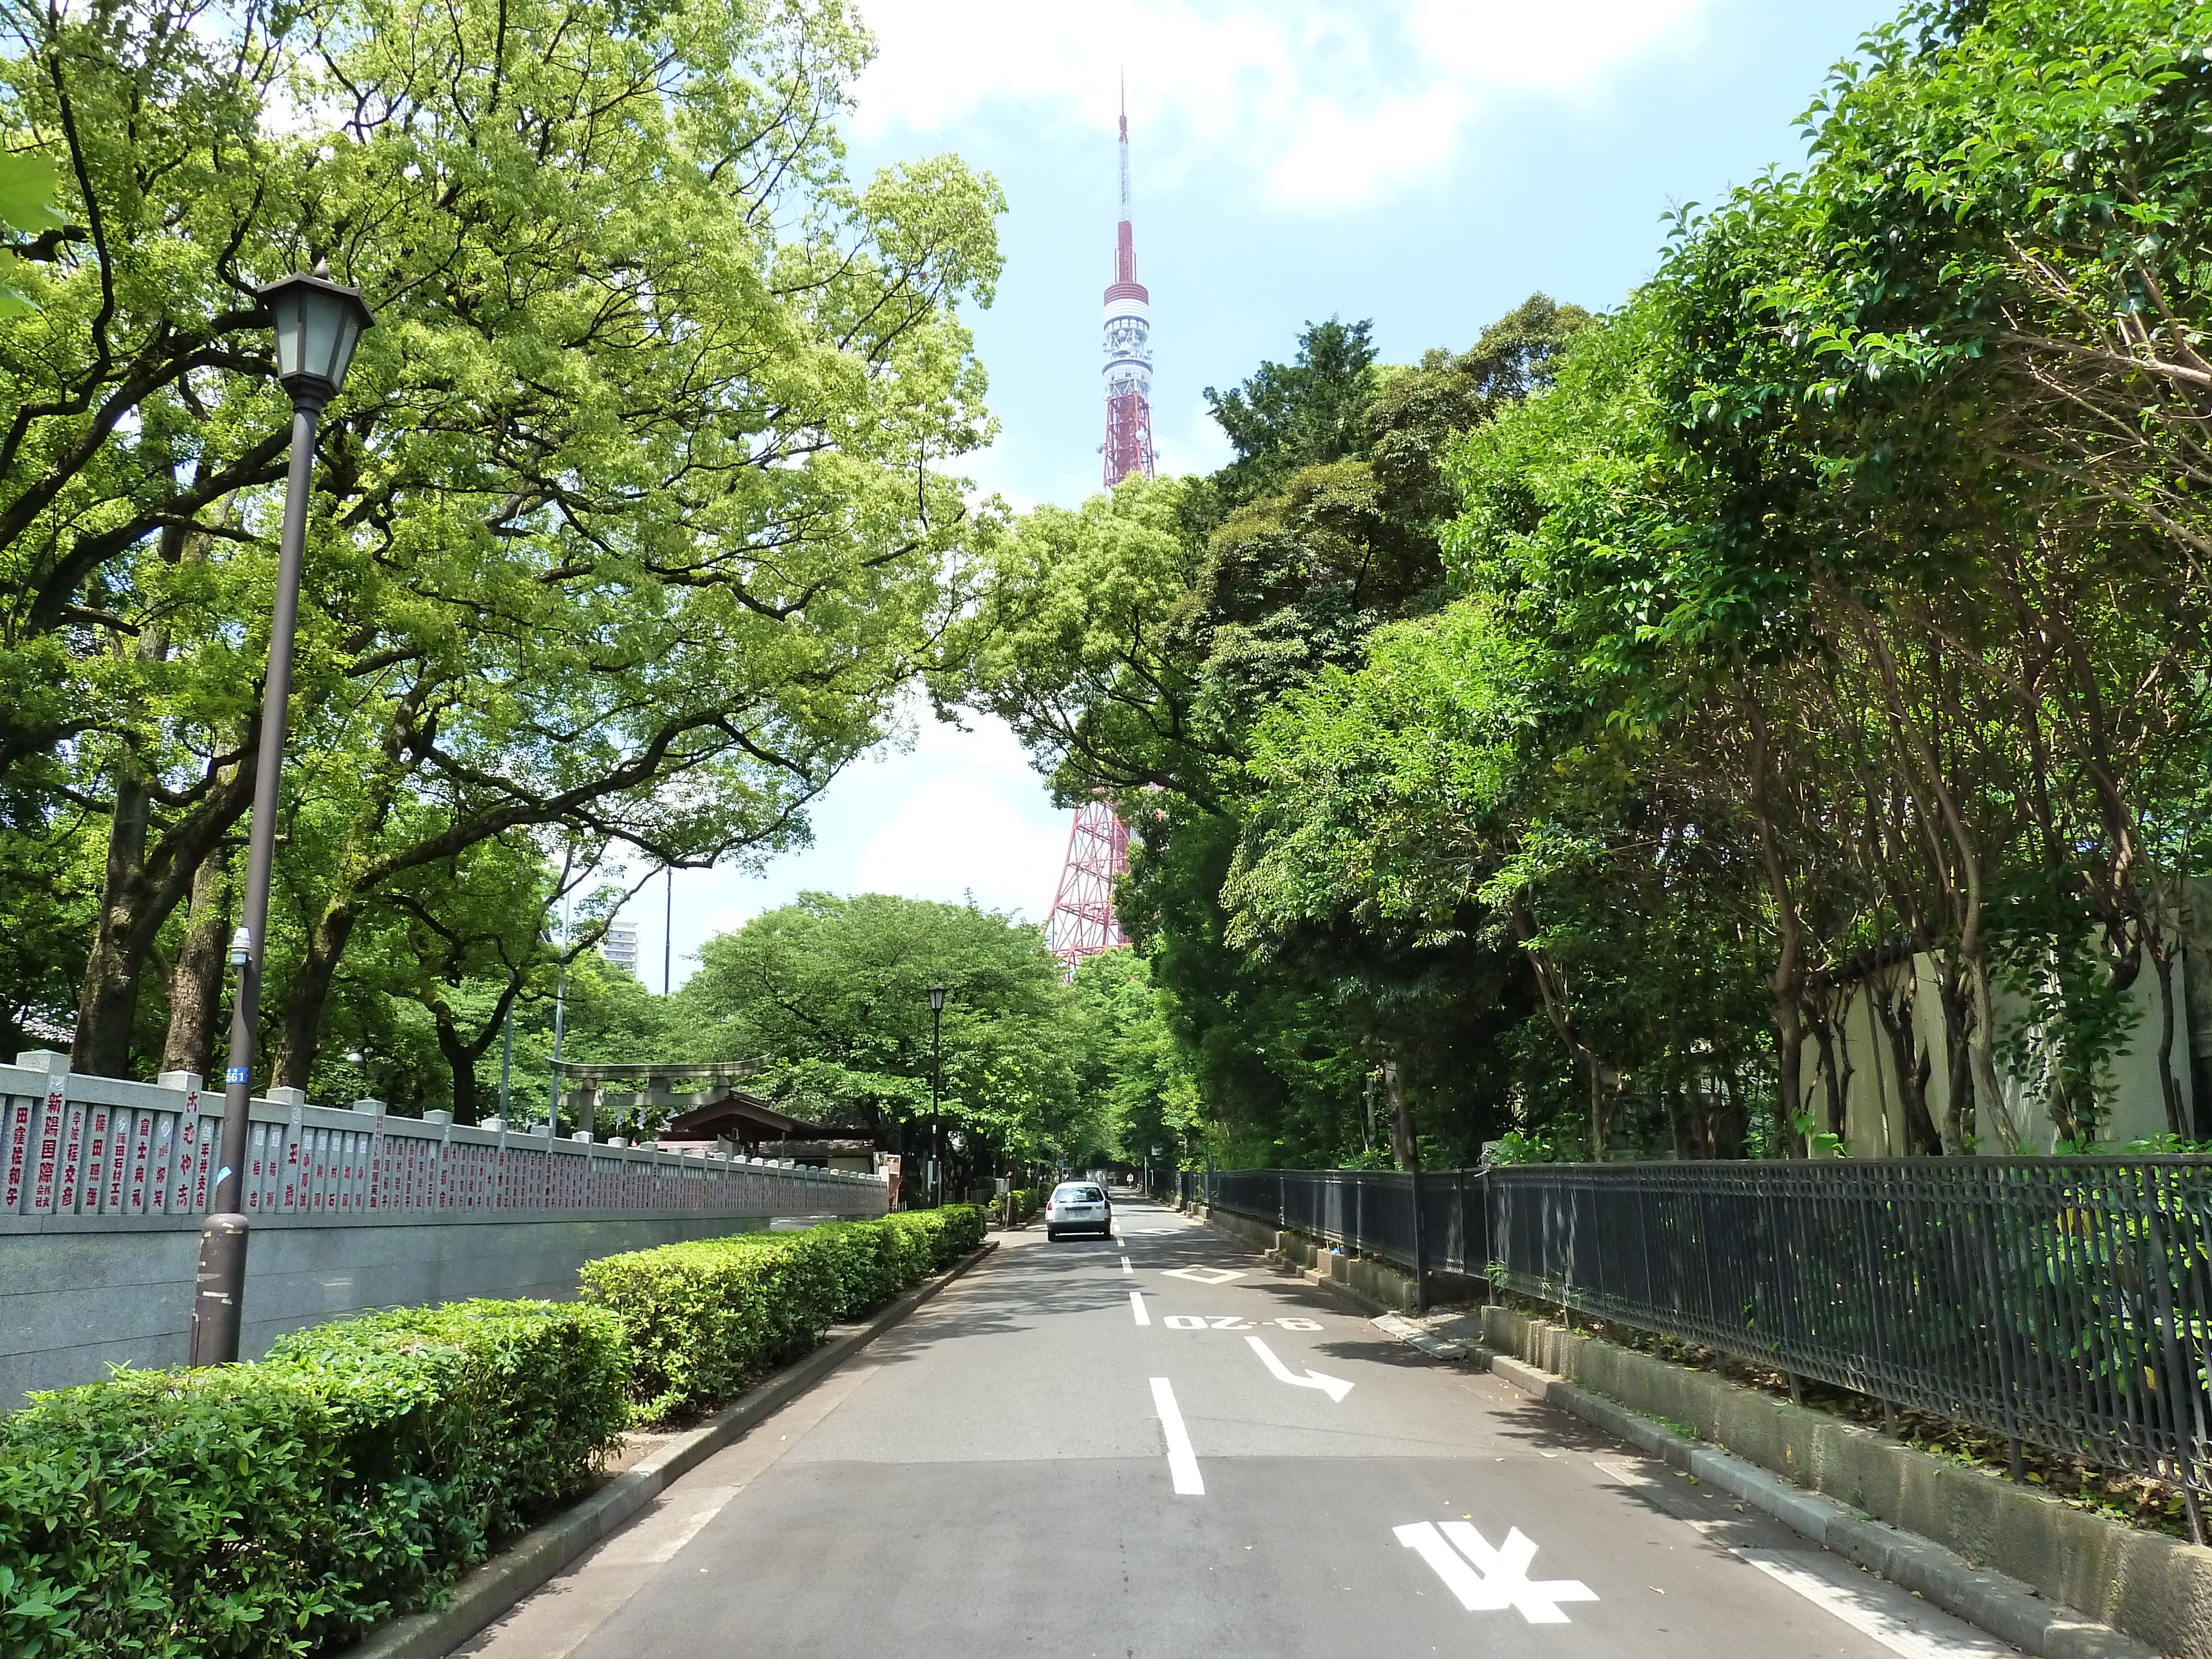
(1078,1206)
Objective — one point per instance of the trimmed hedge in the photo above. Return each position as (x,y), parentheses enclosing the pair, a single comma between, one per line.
(703,1320)
(279,1508)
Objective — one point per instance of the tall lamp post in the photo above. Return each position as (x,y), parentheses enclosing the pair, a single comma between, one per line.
(936,1083)
(319,322)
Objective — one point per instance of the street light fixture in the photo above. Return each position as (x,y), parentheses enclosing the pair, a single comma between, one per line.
(319,322)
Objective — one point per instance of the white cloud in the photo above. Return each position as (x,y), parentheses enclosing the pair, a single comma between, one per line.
(957,835)
(1322,103)
(951,812)
(1198,446)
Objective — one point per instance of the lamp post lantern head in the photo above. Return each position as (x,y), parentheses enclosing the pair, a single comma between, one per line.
(319,322)
(937,999)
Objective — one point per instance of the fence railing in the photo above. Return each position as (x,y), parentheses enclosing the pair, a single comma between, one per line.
(2064,1302)
(74,1145)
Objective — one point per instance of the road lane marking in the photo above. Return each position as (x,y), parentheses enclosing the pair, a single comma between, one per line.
(1336,1387)
(1125,1267)
(1137,1307)
(1206,1275)
(1863,1608)
(1499,1578)
(1893,1617)
(711,1504)
(1182,1461)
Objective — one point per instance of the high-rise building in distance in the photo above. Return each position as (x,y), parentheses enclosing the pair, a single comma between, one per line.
(620,945)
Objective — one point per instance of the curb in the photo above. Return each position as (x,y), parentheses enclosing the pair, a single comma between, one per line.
(2004,1606)
(540,1554)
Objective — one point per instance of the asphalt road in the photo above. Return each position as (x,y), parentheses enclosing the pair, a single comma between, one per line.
(1148,1446)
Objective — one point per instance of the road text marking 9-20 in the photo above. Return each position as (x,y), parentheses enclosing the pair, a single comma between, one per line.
(1230,1322)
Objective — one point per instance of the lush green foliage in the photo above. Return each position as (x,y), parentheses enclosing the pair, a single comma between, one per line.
(701,1321)
(1820,636)
(629,524)
(279,1508)
(835,991)
(1137,645)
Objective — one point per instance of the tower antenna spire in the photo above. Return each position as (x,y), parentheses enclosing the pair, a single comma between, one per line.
(1128,446)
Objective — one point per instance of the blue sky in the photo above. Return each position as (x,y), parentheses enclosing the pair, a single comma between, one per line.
(1426,163)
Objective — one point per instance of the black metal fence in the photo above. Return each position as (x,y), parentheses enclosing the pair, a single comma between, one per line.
(2065,1303)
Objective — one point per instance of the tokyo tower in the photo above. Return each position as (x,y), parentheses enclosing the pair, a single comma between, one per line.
(1129,445)
(1082,923)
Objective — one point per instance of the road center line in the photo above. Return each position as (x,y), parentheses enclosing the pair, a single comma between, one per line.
(1137,1307)
(1182,1461)
(1125,1267)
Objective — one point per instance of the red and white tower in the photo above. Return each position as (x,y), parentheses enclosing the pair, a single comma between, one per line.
(1082,922)
(1129,445)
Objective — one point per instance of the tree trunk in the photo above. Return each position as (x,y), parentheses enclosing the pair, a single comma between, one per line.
(2169,1086)
(1600,1112)
(1959,1113)
(1829,1065)
(462,1052)
(1402,1143)
(1982,1047)
(107,1011)
(309,992)
(1690,1117)
(1787,980)
(195,982)
(1909,1061)
(1731,1129)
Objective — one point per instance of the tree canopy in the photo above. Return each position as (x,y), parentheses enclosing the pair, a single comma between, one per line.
(1818,635)
(630,522)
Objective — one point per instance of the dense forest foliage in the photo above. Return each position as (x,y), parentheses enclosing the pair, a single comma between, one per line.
(1544,743)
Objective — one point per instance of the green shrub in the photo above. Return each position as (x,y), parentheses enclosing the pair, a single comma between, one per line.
(277,1508)
(702,1319)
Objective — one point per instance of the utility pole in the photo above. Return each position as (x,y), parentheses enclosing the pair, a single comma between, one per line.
(505,1059)
(668,935)
(560,1019)
(318,325)
(936,1085)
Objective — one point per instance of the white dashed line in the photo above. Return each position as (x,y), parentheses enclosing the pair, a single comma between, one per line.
(1137,1307)
(1125,1267)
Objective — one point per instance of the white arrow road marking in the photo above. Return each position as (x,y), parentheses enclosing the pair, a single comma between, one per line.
(1499,1577)
(1206,1275)
(1182,1461)
(1137,1307)
(1336,1387)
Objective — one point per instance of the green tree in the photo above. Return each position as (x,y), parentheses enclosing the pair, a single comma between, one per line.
(628,525)
(835,993)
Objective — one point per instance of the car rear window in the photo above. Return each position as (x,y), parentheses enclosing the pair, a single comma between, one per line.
(1078,1194)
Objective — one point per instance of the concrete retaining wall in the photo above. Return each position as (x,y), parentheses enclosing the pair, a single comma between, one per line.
(2153,1587)
(78,1294)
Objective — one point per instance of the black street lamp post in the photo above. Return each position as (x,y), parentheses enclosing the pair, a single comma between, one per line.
(936,1085)
(319,322)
